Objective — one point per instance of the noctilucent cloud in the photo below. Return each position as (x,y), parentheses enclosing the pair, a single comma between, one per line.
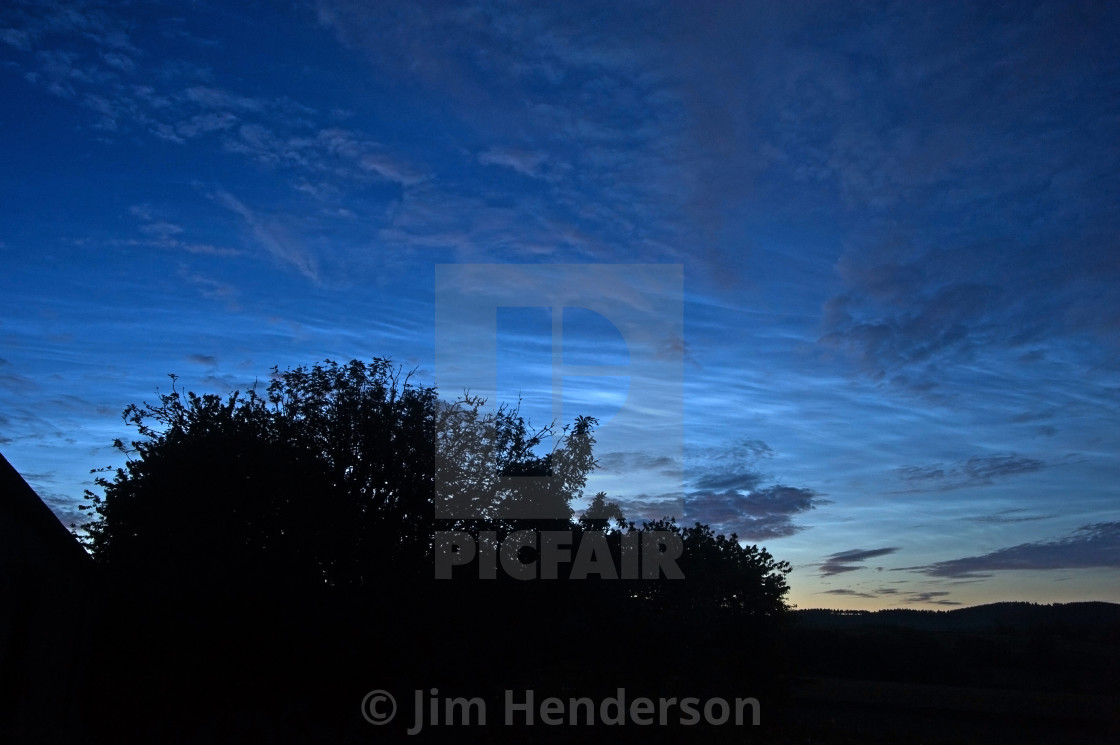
(897,331)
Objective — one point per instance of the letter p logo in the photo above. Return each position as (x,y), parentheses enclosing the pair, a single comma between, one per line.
(634,386)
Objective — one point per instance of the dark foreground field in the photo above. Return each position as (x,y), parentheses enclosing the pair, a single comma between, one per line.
(1010,672)
(832,710)
(997,674)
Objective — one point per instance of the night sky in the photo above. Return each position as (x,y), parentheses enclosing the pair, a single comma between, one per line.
(897,337)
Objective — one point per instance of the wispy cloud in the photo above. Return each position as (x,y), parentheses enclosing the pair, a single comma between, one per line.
(525,162)
(848,593)
(625,460)
(18,38)
(1012,515)
(934,597)
(207,97)
(851,560)
(976,471)
(727,489)
(17,383)
(596,122)
(1093,545)
(271,235)
(159,232)
(896,597)
(758,514)
(737,481)
(90,56)
(331,152)
(209,287)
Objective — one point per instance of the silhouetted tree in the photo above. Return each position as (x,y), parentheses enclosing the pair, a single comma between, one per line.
(331,474)
(302,519)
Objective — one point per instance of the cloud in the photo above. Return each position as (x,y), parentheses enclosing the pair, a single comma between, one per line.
(938,327)
(206,249)
(210,288)
(727,491)
(850,561)
(65,507)
(16,383)
(650,506)
(331,157)
(952,266)
(976,471)
(1009,516)
(161,230)
(628,460)
(17,38)
(216,98)
(177,101)
(272,236)
(937,597)
(208,360)
(37,20)
(741,481)
(164,234)
(120,61)
(1093,545)
(1034,416)
(986,469)
(367,155)
(525,162)
(931,597)
(195,126)
(921,473)
(745,451)
(766,512)
(595,130)
(849,593)
(675,348)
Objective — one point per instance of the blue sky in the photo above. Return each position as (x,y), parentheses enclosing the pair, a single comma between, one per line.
(897,334)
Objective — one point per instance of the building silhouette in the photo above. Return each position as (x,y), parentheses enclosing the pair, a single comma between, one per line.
(45,610)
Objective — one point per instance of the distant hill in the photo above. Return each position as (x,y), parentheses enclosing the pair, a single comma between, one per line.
(991,617)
